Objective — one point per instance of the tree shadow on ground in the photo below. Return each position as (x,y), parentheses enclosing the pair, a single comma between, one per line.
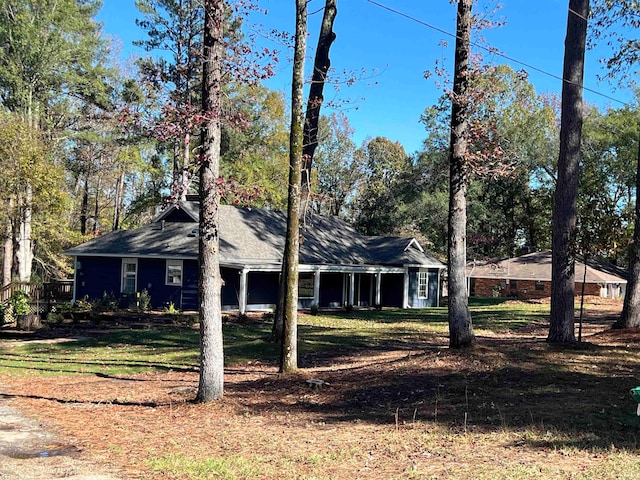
(582,395)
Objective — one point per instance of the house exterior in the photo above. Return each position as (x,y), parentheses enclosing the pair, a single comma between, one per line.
(338,266)
(529,276)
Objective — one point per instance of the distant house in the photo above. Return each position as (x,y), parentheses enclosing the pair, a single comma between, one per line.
(338,266)
(529,276)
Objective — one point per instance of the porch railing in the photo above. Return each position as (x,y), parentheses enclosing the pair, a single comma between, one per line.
(43,296)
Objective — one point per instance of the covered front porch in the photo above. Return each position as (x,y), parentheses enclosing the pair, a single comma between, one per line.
(325,286)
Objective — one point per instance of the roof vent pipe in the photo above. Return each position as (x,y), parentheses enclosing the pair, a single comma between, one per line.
(162,225)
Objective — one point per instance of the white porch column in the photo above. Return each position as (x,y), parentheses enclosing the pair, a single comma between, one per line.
(242,295)
(75,280)
(405,290)
(316,288)
(352,287)
(378,288)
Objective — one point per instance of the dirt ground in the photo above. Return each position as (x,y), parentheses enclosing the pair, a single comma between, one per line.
(363,421)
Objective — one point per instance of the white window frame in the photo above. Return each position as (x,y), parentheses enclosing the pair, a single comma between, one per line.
(124,275)
(170,279)
(423,284)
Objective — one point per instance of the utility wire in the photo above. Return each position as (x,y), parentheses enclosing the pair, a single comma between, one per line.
(494,51)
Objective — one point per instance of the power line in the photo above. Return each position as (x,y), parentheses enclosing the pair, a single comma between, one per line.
(493,51)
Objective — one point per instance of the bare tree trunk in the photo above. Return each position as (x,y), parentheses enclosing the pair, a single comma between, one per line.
(23,254)
(176,180)
(84,208)
(211,384)
(96,210)
(289,351)
(117,204)
(630,316)
(186,160)
(277,330)
(460,325)
(562,324)
(321,66)
(7,259)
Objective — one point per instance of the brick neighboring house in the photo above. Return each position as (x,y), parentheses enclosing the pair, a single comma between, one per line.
(529,276)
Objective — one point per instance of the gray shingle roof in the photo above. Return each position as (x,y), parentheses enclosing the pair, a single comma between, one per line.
(256,237)
(537,266)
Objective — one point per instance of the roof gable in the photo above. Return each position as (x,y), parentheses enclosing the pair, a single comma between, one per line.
(179,212)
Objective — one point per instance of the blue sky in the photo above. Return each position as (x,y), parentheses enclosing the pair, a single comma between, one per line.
(394,51)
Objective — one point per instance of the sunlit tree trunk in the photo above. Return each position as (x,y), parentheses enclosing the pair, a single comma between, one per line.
(23,250)
(630,316)
(562,324)
(211,383)
(289,351)
(7,259)
(460,325)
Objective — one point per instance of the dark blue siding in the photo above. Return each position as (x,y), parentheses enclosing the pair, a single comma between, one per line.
(414,301)
(98,275)
(151,275)
(434,284)
(191,272)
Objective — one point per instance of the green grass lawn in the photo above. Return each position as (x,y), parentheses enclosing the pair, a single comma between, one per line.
(513,408)
(169,348)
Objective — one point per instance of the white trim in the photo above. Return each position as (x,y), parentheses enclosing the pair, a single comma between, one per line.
(414,242)
(75,280)
(316,288)
(352,288)
(242,295)
(405,292)
(128,261)
(425,275)
(177,263)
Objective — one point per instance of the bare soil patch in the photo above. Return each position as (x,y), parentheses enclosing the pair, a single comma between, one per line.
(422,411)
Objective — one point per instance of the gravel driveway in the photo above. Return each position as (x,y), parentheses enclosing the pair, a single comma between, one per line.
(29,452)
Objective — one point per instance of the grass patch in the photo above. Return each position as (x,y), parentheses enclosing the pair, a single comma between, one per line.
(148,350)
(228,468)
